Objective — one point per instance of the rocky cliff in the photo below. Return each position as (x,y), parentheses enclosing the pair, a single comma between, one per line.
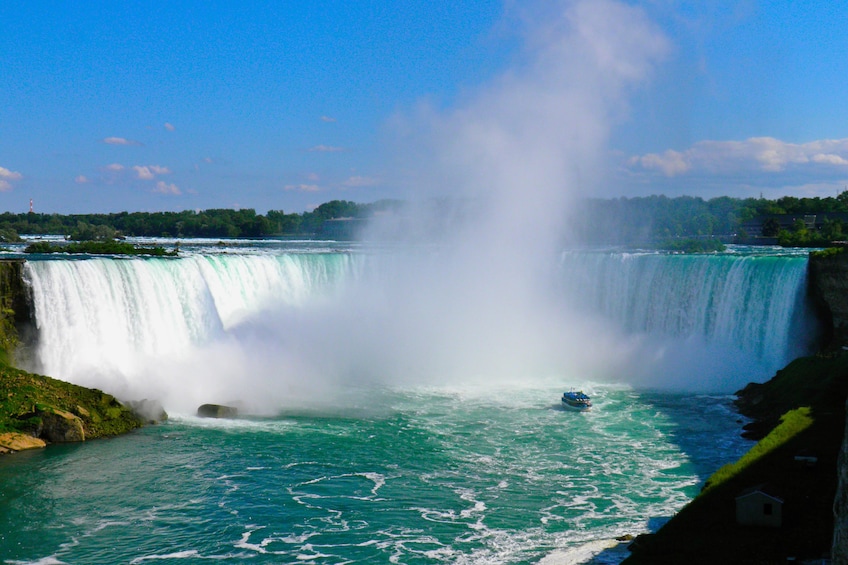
(829,288)
(839,553)
(14,306)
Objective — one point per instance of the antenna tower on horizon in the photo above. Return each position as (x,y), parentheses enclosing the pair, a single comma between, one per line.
(30,206)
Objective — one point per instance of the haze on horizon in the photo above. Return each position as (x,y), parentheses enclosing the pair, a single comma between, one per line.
(151,107)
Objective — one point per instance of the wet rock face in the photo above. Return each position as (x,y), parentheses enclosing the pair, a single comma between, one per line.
(217,411)
(61,427)
(829,288)
(839,553)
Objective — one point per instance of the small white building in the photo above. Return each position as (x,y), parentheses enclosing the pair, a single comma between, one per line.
(756,507)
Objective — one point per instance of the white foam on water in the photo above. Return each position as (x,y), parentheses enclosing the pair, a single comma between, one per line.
(176,555)
(582,553)
(50,560)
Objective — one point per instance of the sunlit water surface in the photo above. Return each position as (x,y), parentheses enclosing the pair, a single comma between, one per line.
(398,476)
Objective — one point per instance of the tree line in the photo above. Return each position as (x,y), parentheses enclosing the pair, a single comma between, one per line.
(214,223)
(657,218)
(611,221)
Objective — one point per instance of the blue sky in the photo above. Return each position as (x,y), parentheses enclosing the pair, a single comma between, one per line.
(138,105)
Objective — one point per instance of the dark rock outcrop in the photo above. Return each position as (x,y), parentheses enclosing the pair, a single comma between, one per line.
(59,426)
(217,411)
(839,553)
(14,306)
(828,285)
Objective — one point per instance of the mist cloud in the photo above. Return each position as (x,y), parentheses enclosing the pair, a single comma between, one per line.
(509,156)
(534,137)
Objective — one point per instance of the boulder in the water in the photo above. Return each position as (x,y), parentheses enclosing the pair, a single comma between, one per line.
(217,411)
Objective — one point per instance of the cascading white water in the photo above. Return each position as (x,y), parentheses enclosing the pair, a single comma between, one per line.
(747,310)
(219,324)
(105,318)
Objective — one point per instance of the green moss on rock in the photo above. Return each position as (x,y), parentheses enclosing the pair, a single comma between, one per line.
(35,404)
(13,306)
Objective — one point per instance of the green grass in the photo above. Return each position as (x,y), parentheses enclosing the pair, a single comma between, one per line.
(829,252)
(24,395)
(791,424)
(99,248)
(801,411)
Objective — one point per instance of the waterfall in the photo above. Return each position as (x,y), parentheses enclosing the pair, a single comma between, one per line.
(752,306)
(105,316)
(213,321)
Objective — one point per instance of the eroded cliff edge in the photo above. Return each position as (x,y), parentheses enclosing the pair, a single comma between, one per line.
(828,284)
(829,288)
(839,554)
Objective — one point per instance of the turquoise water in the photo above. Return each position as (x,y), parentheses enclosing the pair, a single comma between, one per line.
(397,476)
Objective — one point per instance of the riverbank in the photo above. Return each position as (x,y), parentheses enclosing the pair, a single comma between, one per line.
(36,410)
(800,415)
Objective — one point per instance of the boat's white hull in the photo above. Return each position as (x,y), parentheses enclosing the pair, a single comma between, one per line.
(576,408)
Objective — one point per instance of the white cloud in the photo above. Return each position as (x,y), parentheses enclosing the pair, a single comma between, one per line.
(755,154)
(8,175)
(81,179)
(356,181)
(327,119)
(164,188)
(120,141)
(114,167)
(829,158)
(144,173)
(149,172)
(314,177)
(326,149)
(671,162)
(303,187)
(169,126)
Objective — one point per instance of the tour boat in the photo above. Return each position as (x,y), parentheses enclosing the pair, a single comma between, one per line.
(576,400)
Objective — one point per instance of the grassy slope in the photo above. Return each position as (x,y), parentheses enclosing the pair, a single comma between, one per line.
(23,394)
(810,394)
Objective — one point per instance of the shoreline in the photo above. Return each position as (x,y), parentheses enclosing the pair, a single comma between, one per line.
(37,411)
